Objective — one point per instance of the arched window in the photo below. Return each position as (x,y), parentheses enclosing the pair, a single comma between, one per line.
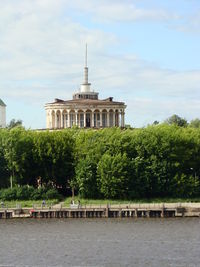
(104,118)
(72,118)
(111,118)
(96,119)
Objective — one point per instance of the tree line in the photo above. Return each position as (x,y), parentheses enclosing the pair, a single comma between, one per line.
(157,161)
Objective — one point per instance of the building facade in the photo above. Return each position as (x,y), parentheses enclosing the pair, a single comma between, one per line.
(2,114)
(85,110)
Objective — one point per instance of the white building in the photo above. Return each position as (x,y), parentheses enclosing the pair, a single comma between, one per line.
(85,110)
(2,114)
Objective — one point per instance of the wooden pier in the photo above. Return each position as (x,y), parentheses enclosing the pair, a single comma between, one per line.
(6,214)
(106,211)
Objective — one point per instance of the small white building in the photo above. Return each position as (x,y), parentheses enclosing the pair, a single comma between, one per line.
(2,114)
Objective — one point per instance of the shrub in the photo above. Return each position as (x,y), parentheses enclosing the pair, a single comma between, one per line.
(38,194)
(8,194)
(28,193)
(53,194)
(24,192)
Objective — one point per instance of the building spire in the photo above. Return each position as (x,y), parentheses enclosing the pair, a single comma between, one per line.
(85,86)
(86,67)
(86,55)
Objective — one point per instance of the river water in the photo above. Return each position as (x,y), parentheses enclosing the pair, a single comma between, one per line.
(100,242)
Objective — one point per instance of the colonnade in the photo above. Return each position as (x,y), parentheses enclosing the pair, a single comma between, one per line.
(66,118)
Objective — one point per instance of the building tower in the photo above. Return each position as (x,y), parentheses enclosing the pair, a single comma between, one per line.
(85,110)
(85,90)
(2,114)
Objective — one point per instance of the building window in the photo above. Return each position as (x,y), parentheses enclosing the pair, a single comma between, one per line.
(58,120)
(72,119)
(111,119)
(63,120)
(97,120)
(88,123)
(104,119)
(81,120)
(117,119)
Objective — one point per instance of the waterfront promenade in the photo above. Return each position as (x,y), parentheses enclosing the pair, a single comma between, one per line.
(148,210)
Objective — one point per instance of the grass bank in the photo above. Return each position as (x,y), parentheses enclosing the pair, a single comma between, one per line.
(29,203)
(66,202)
(84,201)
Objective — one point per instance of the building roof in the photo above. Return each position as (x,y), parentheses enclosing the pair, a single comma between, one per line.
(2,103)
(107,101)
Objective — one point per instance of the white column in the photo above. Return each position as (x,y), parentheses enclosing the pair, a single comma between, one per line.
(56,119)
(68,121)
(123,119)
(64,123)
(61,119)
(53,120)
(92,124)
(108,119)
(100,118)
(84,116)
(76,118)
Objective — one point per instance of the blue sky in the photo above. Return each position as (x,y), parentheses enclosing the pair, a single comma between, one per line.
(145,53)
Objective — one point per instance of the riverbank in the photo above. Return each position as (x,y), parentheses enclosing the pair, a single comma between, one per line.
(96,202)
(145,210)
(85,201)
(27,203)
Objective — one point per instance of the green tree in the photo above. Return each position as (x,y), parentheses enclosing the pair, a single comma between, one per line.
(156,122)
(86,181)
(10,143)
(175,119)
(186,186)
(112,171)
(53,154)
(4,173)
(17,147)
(14,123)
(195,123)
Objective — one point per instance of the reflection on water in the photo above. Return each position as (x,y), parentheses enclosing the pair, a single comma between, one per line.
(100,242)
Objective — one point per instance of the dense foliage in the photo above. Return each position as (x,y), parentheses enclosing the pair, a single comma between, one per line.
(157,161)
(29,192)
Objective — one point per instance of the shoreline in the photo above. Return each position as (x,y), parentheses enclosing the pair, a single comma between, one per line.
(144,210)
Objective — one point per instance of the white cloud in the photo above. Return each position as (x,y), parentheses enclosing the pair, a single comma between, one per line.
(37,45)
(190,24)
(121,11)
(143,111)
(133,75)
(42,55)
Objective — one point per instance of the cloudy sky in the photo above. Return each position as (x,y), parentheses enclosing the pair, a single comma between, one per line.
(143,52)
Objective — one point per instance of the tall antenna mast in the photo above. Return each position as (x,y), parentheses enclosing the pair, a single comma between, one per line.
(86,55)
(86,68)
(85,87)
